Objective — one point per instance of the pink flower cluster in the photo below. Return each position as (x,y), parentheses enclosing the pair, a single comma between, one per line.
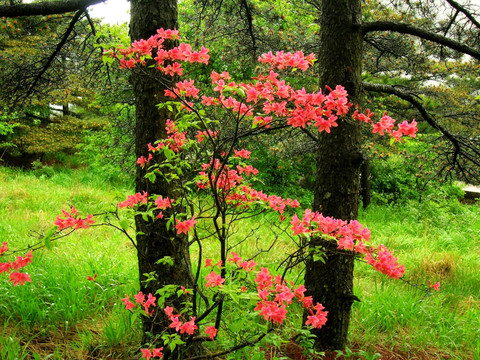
(383,261)
(174,141)
(275,295)
(282,60)
(153,353)
(230,182)
(279,99)
(188,327)
(185,226)
(435,286)
(16,277)
(166,60)
(350,236)
(132,200)
(213,280)
(71,219)
(163,204)
(386,125)
(140,299)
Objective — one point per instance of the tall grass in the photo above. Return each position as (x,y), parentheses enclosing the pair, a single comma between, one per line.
(62,315)
(61,303)
(436,242)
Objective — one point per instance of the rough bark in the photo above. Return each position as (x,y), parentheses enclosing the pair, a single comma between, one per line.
(338,168)
(154,241)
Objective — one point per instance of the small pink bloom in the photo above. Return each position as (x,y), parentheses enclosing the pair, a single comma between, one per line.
(214,279)
(139,298)
(189,327)
(4,248)
(157,353)
(146,354)
(128,304)
(19,278)
(436,286)
(185,226)
(211,331)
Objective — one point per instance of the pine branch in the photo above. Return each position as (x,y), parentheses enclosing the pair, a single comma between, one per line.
(45,8)
(421,33)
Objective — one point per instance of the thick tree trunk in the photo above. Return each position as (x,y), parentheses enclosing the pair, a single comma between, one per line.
(338,168)
(154,241)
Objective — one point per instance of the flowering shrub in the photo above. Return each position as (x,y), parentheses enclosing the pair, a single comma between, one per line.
(214,188)
(215,184)
(12,267)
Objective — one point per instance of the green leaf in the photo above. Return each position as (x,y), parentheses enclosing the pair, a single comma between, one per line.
(151,177)
(47,240)
(124,224)
(166,260)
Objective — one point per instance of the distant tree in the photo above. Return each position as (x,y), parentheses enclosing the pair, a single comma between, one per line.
(47,65)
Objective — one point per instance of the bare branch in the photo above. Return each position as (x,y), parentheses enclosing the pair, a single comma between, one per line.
(45,8)
(421,33)
(468,14)
(57,51)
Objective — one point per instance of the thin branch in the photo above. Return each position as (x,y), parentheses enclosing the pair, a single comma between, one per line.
(462,147)
(52,57)
(411,98)
(421,33)
(232,349)
(467,13)
(45,8)
(249,19)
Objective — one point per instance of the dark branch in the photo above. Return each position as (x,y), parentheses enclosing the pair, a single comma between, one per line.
(468,14)
(249,19)
(421,33)
(463,147)
(408,96)
(62,42)
(46,7)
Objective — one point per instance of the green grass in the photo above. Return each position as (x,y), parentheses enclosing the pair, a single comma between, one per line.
(61,315)
(437,243)
(60,303)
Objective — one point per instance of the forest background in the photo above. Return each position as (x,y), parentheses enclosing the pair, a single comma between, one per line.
(70,132)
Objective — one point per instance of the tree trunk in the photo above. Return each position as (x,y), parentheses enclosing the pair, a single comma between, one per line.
(338,169)
(154,241)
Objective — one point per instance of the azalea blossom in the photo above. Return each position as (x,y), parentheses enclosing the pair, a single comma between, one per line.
(185,226)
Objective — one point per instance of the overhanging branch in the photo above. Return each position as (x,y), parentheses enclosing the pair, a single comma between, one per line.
(62,42)
(465,148)
(465,12)
(421,33)
(45,8)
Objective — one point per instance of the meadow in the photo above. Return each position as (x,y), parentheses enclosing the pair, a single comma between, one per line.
(63,315)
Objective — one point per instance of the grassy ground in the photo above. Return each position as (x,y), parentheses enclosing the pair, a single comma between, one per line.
(62,315)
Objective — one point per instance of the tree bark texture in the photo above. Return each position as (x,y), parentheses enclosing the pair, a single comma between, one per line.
(154,241)
(339,160)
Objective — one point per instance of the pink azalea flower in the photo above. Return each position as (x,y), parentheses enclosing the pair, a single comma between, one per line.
(214,279)
(185,226)
(211,331)
(19,278)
